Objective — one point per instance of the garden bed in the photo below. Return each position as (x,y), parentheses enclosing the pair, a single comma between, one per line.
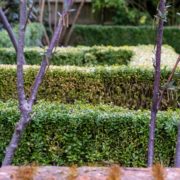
(83,134)
(119,85)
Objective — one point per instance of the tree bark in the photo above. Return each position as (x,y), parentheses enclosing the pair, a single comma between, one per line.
(25,105)
(20,54)
(10,31)
(68,36)
(45,62)
(20,87)
(154,109)
(168,82)
(41,5)
(21,125)
(8,28)
(177,157)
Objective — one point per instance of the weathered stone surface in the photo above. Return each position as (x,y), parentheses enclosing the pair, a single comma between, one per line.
(87,173)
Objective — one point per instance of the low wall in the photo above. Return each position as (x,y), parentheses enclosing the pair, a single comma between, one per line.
(88,173)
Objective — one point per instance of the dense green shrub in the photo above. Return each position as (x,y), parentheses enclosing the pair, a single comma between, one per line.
(123,86)
(121,12)
(122,35)
(72,56)
(34,34)
(96,55)
(124,12)
(82,134)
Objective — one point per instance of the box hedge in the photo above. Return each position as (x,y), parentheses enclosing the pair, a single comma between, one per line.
(118,85)
(79,56)
(90,35)
(88,135)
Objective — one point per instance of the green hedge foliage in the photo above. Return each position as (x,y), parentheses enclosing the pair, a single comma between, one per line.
(34,34)
(119,85)
(122,35)
(83,134)
(132,56)
(80,56)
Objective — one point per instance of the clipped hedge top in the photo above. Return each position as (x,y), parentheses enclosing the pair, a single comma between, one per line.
(135,56)
(80,109)
(94,70)
(120,85)
(90,35)
(128,27)
(62,134)
(80,56)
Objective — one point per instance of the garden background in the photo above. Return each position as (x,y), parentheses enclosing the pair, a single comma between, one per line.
(93,107)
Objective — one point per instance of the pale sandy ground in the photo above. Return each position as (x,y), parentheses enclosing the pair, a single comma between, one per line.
(143,56)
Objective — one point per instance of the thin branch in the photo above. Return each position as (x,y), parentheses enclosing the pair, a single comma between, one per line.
(29,13)
(42,4)
(8,29)
(48,54)
(41,21)
(55,13)
(156,85)
(46,37)
(136,4)
(177,156)
(45,62)
(20,53)
(49,19)
(73,23)
(168,82)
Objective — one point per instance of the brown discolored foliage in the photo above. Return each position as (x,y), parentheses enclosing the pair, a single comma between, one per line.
(73,173)
(25,173)
(158,172)
(114,173)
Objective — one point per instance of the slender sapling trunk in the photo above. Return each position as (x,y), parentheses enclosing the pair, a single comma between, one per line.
(154,109)
(25,105)
(177,157)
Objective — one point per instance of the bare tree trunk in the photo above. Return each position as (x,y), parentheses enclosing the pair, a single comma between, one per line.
(41,16)
(25,118)
(20,86)
(161,9)
(10,31)
(25,105)
(68,36)
(55,13)
(45,62)
(42,4)
(49,18)
(177,157)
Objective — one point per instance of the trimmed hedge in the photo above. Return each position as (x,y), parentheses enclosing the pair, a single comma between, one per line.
(119,85)
(83,134)
(90,35)
(96,55)
(79,56)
